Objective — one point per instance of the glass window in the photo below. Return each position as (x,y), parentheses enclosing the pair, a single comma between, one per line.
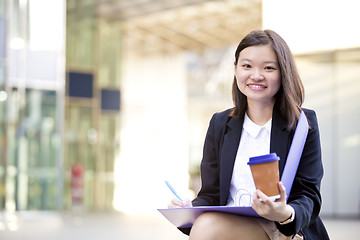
(33,143)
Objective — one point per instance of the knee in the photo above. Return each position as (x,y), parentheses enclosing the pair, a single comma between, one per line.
(206,219)
(215,225)
(206,227)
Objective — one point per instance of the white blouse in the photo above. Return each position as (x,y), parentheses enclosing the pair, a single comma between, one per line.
(254,141)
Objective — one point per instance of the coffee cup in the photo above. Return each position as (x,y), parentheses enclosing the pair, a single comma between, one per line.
(265,172)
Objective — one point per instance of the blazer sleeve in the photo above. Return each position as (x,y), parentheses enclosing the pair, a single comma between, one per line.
(209,194)
(305,195)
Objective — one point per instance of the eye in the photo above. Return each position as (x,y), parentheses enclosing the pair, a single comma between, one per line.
(270,68)
(246,66)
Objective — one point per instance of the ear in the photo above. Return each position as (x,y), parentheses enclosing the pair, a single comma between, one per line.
(235,66)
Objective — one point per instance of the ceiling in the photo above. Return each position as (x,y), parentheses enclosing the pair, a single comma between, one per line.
(171,25)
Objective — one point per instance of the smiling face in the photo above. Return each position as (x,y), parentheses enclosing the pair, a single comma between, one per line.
(258,75)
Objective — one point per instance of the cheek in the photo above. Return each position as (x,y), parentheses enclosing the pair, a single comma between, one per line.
(276,85)
(240,77)
(241,85)
(239,81)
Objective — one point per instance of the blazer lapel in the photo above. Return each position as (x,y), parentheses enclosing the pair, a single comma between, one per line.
(228,154)
(280,141)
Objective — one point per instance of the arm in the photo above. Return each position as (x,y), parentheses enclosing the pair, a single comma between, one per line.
(305,195)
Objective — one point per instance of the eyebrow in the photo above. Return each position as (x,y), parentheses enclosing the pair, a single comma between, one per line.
(266,62)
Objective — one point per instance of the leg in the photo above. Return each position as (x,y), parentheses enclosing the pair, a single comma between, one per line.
(215,225)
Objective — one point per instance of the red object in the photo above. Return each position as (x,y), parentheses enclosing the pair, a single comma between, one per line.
(77,184)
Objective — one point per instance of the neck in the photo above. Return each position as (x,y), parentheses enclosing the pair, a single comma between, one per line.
(260,114)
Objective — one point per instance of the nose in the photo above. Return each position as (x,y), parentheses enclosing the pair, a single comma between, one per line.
(257,76)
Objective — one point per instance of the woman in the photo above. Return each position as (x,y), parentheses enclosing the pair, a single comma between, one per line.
(267,94)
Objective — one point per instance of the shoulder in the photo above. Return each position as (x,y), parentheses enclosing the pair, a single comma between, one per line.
(224,115)
(311,116)
(309,112)
(221,118)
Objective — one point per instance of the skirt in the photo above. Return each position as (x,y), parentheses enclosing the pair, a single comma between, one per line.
(274,233)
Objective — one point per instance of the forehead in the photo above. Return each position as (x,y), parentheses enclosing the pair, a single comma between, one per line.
(259,52)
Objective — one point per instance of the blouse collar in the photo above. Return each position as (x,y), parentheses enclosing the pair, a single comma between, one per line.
(254,129)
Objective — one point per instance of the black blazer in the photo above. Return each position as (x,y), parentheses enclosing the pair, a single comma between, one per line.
(220,148)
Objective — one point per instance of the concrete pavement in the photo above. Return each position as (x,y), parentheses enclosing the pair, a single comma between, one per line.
(117,226)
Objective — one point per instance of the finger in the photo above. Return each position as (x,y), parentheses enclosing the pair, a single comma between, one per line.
(282,192)
(258,204)
(262,196)
(170,205)
(175,203)
(255,201)
(187,203)
(255,197)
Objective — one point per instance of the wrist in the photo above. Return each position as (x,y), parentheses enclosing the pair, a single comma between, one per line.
(290,218)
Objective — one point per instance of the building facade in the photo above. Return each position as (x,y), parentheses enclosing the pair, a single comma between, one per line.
(101,101)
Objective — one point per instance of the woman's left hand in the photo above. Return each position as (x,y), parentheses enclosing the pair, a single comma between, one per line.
(276,210)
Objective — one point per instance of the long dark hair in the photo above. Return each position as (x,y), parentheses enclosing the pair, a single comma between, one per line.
(290,96)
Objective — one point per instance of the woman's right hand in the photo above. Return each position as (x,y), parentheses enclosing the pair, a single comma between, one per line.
(176,203)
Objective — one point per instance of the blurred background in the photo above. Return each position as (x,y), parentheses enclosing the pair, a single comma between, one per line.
(103,100)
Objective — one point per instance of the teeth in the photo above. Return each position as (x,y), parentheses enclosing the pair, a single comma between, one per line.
(256,86)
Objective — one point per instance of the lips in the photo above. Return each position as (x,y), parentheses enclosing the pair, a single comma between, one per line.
(256,86)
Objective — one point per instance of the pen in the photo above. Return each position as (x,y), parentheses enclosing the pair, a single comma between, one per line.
(173,190)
